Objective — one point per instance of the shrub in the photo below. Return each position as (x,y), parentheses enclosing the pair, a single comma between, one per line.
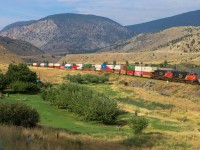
(138,124)
(20,73)
(18,114)
(20,86)
(3,82)
(87,78)
(88,104)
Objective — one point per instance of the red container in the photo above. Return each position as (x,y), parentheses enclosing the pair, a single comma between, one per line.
(147,74)
(124,71)
(74,67)
(62,67)
(130,72)
(117,71)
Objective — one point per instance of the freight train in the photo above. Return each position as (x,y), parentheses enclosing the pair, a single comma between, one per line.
(167,74)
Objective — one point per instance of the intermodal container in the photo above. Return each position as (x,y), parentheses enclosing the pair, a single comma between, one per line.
(36,64)
(79,66)
(51,65)
(138,71)
(124,70)
(117,68)
(43,65)
(110,68)
(68,66)
(130,67)
(57,65)
(62,67)
(103,67)
(148,71)
(97,67)
(87,67)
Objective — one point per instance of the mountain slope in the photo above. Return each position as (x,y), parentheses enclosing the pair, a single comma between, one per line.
(182,39)
(18,47)
(7,57)
(186,19)
(69,33)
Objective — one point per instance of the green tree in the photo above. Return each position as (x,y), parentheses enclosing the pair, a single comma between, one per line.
(114,62)
(138,124)
(20,73)
(127,63)
(3,82)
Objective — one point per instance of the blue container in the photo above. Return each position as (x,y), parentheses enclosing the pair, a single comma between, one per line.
(68,67)
(103,66)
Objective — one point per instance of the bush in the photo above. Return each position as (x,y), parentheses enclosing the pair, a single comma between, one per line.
(87,78)
(19,86)
(138,124)
(88,104)
(20,73)
(18,114)
(3,82)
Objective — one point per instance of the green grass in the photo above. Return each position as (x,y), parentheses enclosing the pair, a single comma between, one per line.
(145,104)
(51,116)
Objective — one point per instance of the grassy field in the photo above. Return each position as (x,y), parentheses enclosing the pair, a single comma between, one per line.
(172,109)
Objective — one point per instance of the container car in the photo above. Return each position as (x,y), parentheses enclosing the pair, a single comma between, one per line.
(138,71)
(148,71)
(117,69)
(68,66)
(50,65)
(43,65)
(57,65)
(110,68)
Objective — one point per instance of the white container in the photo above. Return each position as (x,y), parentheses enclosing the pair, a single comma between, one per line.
(79,66)
(35,64)
(56,65)
(149,69)
(97,67)
(50,65)
(118,67)
(138,68)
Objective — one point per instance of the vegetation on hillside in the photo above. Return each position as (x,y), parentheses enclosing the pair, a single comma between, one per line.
(89,104)
(87,78)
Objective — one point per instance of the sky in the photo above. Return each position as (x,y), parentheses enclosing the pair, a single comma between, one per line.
(125,12)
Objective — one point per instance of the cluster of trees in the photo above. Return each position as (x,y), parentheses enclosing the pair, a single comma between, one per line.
(88,104)
(20,78)
(18,114)
(87,78)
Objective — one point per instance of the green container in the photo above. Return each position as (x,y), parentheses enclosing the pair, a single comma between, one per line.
(87,65)
(130,67)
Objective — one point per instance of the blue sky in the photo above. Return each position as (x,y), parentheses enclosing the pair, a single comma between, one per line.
(126,12)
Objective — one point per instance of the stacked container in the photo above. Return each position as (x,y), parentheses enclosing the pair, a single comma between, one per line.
(87,67)
(36,65)
(79,66)
(124,70)
(130,70)
(51,65)
(74,66)
(138,71)
(97,67)
(68,66)
(110,68)
(103,67)
(148,71)
(43,65)
(57,65)
(117,69)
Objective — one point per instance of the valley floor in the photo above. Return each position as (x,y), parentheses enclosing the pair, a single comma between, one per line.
(173,110)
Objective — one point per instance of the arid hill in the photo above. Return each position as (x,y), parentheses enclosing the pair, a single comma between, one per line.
(68,33)
(7,57)
(182,39)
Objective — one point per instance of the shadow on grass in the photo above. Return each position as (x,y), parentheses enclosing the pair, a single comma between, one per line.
(147,140)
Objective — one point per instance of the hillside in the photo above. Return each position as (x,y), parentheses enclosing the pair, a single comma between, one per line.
(185,19)
(7,57)
(19,47)
(68,33)
(145,57)
(182,39)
